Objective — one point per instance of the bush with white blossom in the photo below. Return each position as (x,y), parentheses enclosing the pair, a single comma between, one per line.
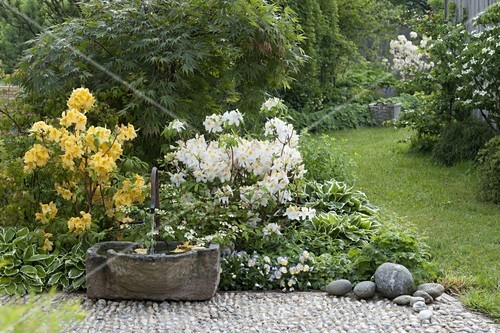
(239,181)
(408,58)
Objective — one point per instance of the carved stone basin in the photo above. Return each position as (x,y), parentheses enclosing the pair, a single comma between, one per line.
(115,271)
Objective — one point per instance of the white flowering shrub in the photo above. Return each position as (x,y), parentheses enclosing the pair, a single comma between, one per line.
(408,58)
(237,183)
(479,73)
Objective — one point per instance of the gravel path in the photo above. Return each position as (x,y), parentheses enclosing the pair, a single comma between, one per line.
(277,312)
(273,312)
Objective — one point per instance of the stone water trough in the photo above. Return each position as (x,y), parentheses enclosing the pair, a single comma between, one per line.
(115,271)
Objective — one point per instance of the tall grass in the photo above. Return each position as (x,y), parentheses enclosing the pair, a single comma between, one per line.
(463,233)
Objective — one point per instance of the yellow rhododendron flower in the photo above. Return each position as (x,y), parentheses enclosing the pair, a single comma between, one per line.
(71,146)
(80,224)
(36,156)
(54,135)
(96,137)
(130,192)
(49,211)
(81,99)
(47,243)
(74,117)
(40,129)
(102,166)
(126,133)
(64,193)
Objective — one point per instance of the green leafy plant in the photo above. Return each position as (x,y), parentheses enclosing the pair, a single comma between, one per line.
(29,268)
(489,171)
(43,315)
(351,229)
(461,141)
(395,246)
(185,59)
(324,158)
(334,196)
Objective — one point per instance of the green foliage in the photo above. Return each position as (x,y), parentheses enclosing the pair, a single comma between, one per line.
(408,102)
(31,269)
(395,246)
(22,20)
(350,228)
(331,118)
(461,141)
(43,315)
(166,59)
(324,158)
(489,171)
(334,196)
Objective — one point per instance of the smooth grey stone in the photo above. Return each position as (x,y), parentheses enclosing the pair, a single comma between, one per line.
(414,300)
(365,289)
(433,289)
(402,300)
(394,280)
(115,271)
(419,306)
(339,287)
(425,315)
(420,293)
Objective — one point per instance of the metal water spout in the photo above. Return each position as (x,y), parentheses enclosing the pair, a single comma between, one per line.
(155,204)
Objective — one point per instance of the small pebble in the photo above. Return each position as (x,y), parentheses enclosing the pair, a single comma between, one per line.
(419,306)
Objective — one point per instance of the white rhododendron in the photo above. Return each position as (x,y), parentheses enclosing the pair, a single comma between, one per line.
(407,57)
(253,172)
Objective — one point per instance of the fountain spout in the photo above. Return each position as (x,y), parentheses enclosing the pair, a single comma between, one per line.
(155,204)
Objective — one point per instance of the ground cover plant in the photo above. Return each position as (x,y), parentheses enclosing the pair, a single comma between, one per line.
(440,202)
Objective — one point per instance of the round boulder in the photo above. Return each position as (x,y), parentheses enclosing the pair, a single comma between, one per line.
(365,289)
(433,289)
(339,287)
(394,280)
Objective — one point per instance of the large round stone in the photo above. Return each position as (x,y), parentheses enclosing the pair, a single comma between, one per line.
(339,287)
(365,289)
(394,280)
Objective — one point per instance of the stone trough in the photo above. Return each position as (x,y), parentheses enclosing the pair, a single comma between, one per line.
(115,271)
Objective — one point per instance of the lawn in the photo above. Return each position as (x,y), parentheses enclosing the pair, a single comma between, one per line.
(463,233)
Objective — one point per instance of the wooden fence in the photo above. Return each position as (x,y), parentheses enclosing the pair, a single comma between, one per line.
(8,91)
(471,8)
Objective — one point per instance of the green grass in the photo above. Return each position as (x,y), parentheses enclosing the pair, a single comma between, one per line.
(463,233)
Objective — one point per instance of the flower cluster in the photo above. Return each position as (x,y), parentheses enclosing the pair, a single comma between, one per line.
(87,158)
(266,272)
(407,58)
(249,172)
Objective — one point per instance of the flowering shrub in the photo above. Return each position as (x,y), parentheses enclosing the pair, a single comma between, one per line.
(245,271)
(235,183)
(84,165)
(408,59)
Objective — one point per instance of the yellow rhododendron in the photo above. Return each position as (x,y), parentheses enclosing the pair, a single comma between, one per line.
(85,162)
(126,133)
(74,117)
(81,99)
(49,211)
(80,224)
(64,193)
(47,243)
(102,166)
(130,192)
(40,129)
(100,136)
(35,157)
